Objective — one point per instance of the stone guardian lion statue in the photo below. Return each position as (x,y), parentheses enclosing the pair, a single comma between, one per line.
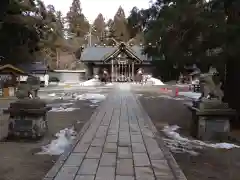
(210,86)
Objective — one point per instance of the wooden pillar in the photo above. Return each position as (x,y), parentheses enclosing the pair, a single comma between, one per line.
(114,67)
(120,71)
(112,72)
(116,71)
(133,71)
(125,67)
(129,70)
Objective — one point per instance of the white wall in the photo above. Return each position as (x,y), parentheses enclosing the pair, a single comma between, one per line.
(68,76)
(43,78)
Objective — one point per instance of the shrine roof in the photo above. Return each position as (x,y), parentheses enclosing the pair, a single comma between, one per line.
(98,53)
(33,67)
(8,68)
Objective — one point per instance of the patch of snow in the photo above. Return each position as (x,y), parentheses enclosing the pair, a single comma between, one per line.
(62,84)
(63,109)
(59,104)
(179,144)
(223,146)
(109,84)
(169,97)
(165,97)
(182,85)
(52,94)
(94,98)
(150,97)
(57,146)
(155,81)
(192,95)
(91,82)
(93,105)
(53,83)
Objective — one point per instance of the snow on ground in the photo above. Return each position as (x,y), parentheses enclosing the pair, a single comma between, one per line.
(179,144)
(63,109)
(155,81)
(152,80)
(94,98)
(91,82)
(182,85)
(165,97)
(52,94)
(192,95)
(170,97)
(64,139)
(62,96)
(109,84)
(60,104)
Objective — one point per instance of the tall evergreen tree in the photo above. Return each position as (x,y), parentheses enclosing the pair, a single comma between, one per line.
(120,31)
(77,23)
(19,31)
(109,28)
(134,22)
(60,23)
(99,25)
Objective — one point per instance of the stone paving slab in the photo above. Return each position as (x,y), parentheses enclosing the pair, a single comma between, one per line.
(119,144)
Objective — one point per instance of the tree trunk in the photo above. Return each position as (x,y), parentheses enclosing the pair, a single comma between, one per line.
(231,86)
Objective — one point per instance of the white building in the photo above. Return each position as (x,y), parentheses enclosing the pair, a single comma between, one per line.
(37,69)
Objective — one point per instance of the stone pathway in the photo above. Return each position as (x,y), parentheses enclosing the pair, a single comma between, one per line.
(118,145)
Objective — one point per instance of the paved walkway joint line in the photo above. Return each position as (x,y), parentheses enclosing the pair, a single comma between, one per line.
(118,145)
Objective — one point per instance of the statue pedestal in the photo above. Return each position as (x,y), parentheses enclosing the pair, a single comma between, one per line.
(211,119)
(4,121)
(27,118)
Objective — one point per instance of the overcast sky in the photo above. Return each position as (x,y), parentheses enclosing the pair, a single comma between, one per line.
(91,8)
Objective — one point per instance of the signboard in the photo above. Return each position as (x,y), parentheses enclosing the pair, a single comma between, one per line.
(122,61)
(5,77)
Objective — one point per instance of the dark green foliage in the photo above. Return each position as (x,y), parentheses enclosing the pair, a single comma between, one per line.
(19,35)
(195,32)
(78,25)
(189,31)
(26,28)
(119,28)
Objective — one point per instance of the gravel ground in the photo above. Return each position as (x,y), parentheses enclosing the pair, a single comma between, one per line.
(211,163)
(18,160)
